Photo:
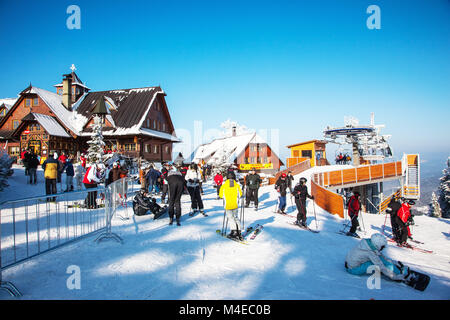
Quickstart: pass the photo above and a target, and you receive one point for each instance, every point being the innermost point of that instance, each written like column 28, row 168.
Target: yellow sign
column 257, row 166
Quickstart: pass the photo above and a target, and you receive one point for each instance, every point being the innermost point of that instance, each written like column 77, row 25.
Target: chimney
column 233, row 130
column 67, row 91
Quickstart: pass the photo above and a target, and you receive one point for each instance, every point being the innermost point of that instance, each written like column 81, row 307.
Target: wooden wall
column 327, row 200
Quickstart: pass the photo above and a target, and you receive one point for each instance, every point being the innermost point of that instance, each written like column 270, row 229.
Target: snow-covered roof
column 229, row 148
column 54, row 102
column 50, row 125
column 8, row 102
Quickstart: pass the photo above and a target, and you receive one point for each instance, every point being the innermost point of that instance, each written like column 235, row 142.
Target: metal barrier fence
column 32, row 226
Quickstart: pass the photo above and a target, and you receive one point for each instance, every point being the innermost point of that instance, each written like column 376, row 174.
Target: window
column 14, row 151
column 16, row 124
column 164, row 127
column 3, row 112
column 156, row 149
column 167, row 149
column 148, row 148
column 27, row 102
column 266, row 160
column 35, row 101
column 307, row 153
column 154, row 124
column 148, row 123
column 130, row 147
column 252, row 159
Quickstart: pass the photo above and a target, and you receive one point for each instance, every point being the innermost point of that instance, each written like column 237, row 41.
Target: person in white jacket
column 368, row 253
column 193, row 178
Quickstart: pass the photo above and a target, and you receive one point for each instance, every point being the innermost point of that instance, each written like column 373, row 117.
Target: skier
column 403, row 220
column 368, row 253
column 290, row 179
column 230, row 192
column 252, row 182
column 281, row 186
column 193, row 179
column 354, row 206
column 218, row 180
column 392, row 209
column 300, row 194
column 176, row 186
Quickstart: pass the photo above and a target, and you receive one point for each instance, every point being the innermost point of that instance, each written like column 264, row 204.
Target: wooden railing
column 298, row 168
column 327, row 200
column 383, row 205
column 360, row 174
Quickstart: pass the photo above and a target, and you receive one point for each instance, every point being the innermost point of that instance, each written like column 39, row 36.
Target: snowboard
column 163, row 211
column 417, row 280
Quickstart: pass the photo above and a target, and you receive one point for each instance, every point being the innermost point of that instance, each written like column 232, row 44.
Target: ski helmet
column 303, row 180
column 378, row 241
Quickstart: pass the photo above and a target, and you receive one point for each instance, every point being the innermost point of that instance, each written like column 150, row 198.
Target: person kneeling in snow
column 368, row 253
column 142, row 203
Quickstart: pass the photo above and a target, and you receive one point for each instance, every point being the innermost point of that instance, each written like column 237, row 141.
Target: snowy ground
column 158, row 261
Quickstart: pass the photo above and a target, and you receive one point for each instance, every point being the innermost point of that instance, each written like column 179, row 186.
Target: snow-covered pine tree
column 5, row 166
column 444, row 191
column 435, row 207
column 96, row 144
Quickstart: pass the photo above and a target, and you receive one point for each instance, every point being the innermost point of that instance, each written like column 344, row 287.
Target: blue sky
column 295, row 66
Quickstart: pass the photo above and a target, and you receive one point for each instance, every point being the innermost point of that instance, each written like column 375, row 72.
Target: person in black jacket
column 176, row 186
column 33, row 163
column 392, row 209
column 142, row 203
column 252, row 182
column 301, row 193
column 290, row 179
column 281, row 186
column 68, row 167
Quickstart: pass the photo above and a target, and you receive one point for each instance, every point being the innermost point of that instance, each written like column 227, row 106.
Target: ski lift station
column 364, row 163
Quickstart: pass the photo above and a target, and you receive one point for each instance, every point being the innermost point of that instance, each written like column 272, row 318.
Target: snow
column 159, row 262
column 51, row 125
column 229, row 148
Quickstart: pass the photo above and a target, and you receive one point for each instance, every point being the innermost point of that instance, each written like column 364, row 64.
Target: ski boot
column 239, row 235
column 171, row 221
column 233, row 234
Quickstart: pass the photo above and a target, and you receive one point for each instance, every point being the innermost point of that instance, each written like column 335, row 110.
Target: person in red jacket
column 218, row 180
column 403, row 218
column 83, row 160
column 90, row 181
column 354, row 206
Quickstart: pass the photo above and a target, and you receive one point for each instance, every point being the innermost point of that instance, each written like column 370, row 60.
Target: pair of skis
column 254, row 231
column 297, row 225
column 410, row 246
column 194, row 212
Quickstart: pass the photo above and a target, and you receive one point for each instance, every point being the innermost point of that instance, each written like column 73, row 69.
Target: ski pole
column 384, row 225
column 315, row 217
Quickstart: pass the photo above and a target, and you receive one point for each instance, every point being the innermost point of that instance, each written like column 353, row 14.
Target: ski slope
column 159, row 262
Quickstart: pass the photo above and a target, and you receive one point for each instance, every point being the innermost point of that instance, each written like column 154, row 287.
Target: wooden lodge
column 137, row 122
